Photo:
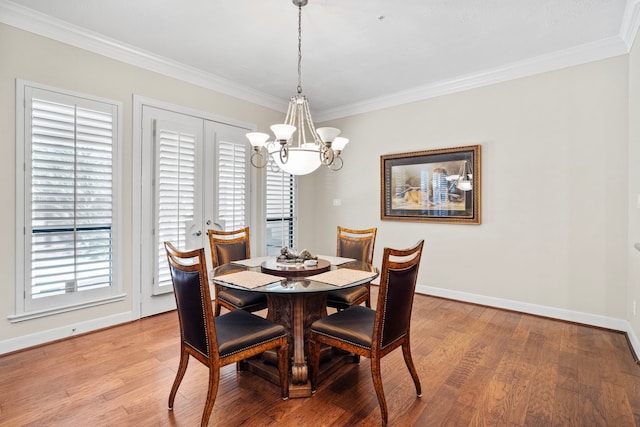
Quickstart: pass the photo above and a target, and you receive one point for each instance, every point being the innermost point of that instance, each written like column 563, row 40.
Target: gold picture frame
column 441, row 185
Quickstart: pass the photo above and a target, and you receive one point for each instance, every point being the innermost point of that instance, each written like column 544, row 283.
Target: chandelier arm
column 258, row 154
column 337, row 163
column 273, row 165
column 284, row 153
column 287, row 118
column 311, row 125
column 326, row 155
column 300, row 121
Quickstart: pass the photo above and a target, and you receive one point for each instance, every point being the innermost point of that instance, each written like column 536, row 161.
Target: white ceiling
column 356, row 55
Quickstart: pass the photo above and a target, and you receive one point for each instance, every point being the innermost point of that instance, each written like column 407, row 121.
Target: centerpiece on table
column 291, row 256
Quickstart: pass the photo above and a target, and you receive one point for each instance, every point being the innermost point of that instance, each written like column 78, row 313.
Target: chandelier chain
column 299, row 49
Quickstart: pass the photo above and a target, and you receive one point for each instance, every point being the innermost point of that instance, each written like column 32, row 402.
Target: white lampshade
column 339, row 143
column 257, row 139
column 328, row 134
column 283, row 132
column 301, row 161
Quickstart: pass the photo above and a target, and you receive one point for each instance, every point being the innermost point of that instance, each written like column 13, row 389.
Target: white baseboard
column 66, row 331
column 633, row 340
column 538, row 310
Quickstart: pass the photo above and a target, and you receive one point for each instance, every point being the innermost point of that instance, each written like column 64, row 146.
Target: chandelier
column 298, row 147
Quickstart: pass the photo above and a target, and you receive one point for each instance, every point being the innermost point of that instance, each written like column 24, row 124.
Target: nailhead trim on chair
column 251, row 346
column 203, row 319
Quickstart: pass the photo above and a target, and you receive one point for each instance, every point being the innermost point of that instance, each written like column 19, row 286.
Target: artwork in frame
column 440, row 185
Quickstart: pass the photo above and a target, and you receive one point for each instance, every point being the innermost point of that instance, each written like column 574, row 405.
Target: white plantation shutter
column 71, row 198
column 233, row 185
column 176, row 192
column 280, row 211
column 68, row 188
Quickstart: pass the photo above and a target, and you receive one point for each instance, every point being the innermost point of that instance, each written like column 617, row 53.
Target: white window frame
column 26, row 307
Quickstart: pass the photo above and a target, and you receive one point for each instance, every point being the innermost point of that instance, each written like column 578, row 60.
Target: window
column 67, row 165
column 281, row 211
column 176, row 196
column 232, row 185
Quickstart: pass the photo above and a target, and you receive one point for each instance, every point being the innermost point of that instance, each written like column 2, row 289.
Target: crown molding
column 47, row 26
column 602, row 49
column 630, row 23
column 35, row 22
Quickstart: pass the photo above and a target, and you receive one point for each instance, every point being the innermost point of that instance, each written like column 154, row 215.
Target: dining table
column 296, row 297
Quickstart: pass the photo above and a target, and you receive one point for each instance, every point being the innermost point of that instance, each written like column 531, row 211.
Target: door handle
column 198, row 233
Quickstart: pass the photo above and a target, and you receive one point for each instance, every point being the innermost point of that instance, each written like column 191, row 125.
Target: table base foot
column 299, row 390
column 270, row 372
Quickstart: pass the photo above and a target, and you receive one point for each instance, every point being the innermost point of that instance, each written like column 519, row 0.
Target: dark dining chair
column 228, row 246
column 375, row 333
column 357, row 244
column 216, row 341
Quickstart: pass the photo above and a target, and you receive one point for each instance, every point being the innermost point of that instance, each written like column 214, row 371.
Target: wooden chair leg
column 377, row 384
column 216, row 308
column 406, row 352
column 214, row 381
column 182, row 368
column 313, row 353
column 283, row 369
column 367, row 302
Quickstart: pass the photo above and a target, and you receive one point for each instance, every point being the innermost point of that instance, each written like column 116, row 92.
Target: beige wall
column 554, row 189
column 24, row 55
column 633, row 293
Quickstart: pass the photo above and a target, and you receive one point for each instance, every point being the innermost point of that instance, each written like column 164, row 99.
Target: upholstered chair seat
column 354, row 326
column 240, row 330
column 344, row 298
column 242, row 300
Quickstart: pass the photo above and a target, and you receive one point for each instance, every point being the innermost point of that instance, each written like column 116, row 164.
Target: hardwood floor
column 478, row 366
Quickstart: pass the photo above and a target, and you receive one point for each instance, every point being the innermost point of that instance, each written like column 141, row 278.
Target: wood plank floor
column 478, row 367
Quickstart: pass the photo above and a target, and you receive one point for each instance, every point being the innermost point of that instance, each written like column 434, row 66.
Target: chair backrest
column 193, row 299
column 356, row 244
column 227, row 246
column 395, row 296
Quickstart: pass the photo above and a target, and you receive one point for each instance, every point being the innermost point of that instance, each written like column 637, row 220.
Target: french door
column 195, row 177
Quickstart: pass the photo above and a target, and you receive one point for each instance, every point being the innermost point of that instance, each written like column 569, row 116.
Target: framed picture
column 436, row 185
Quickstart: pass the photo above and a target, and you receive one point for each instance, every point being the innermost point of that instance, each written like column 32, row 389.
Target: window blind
column 280, row 211
column 232, row 185
column 176, row 182
column 71, row 198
